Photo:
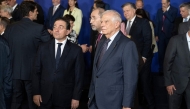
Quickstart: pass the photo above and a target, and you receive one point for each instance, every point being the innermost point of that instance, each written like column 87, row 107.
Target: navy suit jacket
column 114, row 82
column 51, row 18
column 64, row 83
column 168, row 23
column 5, row 74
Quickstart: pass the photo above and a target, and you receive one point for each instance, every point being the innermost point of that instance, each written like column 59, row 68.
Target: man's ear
column 68, row 32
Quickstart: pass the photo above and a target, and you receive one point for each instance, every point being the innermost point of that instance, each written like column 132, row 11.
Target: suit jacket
column 40, row 16
column 114, row 83
column 177, row 63
column 11, row 20
column 16, row 14
column 183, row 27
column 77, row 14
column 51, row 18
column 63, row 83
column 176, row 25
column 5, row 74
column 168, row 23
column 24, row 38
column 141, row 34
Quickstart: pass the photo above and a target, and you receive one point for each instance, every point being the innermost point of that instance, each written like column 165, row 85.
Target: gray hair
column 6, row 8
column 115, row 15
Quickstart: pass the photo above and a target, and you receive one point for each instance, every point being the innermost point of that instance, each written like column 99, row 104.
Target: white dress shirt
column 132, row 20
column 111, row 39
column 188, row 40
column 186, row 18
column 62, row 46
column 14, row 6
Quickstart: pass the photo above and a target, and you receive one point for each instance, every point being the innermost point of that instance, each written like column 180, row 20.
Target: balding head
column 110, row 22
column 139, row 4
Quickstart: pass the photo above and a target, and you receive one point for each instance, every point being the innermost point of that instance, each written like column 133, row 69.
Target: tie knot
column 59, row 44
column 107, row 40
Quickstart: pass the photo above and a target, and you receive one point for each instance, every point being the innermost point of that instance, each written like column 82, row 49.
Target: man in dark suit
column 139, row 5
column 40, row 17
column 184, row 27
column 176, row 70
column 16, row 14
column 115, row 68
column 140, row 31
column 95, row 22
column 6, row 11
column 54, row 12
column 164, row 26
column 184, row 11
column 59, row 69
column 5, row 74
column 24, row 38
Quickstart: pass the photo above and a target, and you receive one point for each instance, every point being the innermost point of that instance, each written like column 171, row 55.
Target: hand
column 126, row 108
column 144, row 59
column 37, row 99
column 90, row 49
column 50, row 31
column 156, row 38
column 84, row 48
column 74, row 104
column 170, row 89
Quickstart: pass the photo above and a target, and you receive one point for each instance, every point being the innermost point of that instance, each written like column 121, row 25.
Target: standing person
column 185, row 16
column 54, row 12
column 24, row 38
column 59, row 69
column 140, row 31
column 115, row 68
column 5, row 68
column 176, row 70
column 16, row 14
column 74, row 10
column 164, row 25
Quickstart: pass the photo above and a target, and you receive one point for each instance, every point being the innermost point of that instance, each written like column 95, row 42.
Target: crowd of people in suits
column 42, row 65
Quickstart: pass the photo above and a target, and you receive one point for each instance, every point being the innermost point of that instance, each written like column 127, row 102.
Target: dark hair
column 26, row 7
column 69, row 17
column 65, row 20
column 100, row 4
column 76, row 5
column 4, row 21
column 168, row 0
column 129, row 4
column 142, row 13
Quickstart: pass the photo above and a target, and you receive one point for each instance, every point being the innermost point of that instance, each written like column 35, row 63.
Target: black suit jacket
column 51, row 18
column 16, row 14
column 24, row 38
column 176, row 25
column 177, row 63
column 183, row 27
column 5, row 74
column 141, row 34
column 63, row 83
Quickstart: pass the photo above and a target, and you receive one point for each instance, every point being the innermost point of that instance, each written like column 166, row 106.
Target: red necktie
column 98, row 39
column 163, row 18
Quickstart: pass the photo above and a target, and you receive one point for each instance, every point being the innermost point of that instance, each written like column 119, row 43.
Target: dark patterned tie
column 103, row 50
column 58, row 55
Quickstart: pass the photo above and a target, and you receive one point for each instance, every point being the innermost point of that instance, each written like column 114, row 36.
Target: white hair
column 115, row 15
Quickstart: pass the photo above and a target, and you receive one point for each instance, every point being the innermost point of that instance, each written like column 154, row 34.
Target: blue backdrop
column 85, row 5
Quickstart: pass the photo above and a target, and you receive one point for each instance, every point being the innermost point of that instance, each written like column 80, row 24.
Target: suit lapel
column 64, row 53
column 110, row 50
column 52, row 52
column 185, row 46
column 133, row 25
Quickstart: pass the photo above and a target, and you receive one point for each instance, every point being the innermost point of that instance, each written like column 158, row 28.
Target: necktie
column 98, row 39
column 163, row 18
column 54, row 9
column 128, row 27
column 58, row 55
column 103, row 50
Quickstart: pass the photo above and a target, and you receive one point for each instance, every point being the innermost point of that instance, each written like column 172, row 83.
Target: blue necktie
column 58, row 55
column 104, row 48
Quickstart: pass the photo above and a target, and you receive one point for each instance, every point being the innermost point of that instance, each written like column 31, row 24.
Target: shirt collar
column 168, row 8
column 113, row 37
column 57, row 6
column 15, row 6
column 2, row 33
column 133, row 18
column 188, row 17
column 188, row 38
column 63, row 42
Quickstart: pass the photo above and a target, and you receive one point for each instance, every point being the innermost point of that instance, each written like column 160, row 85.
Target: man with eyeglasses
column 58, row 71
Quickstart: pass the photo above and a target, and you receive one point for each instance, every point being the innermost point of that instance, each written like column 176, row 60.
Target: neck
column 111, row 34
column 131, row 18
column 71, row 8
column 29, row 18
column 61, row 40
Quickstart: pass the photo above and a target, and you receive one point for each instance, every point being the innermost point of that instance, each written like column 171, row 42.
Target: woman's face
column 71, row 2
